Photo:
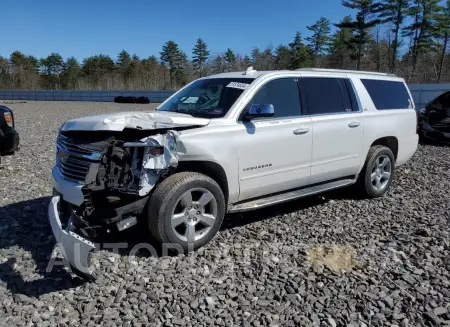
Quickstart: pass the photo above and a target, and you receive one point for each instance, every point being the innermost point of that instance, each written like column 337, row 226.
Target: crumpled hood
column 133, row 119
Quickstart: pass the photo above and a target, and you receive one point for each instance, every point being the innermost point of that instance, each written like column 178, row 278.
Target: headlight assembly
column 9, row 119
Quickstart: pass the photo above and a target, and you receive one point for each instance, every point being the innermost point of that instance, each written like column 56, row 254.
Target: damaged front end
column 103, row 180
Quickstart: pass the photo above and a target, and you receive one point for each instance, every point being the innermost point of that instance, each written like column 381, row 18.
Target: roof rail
column 324, row 70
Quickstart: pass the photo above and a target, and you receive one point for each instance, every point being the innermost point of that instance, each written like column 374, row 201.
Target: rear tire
column 378, row 171
column 187, row 209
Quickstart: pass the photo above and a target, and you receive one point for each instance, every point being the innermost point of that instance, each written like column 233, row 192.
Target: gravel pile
column 329, row 260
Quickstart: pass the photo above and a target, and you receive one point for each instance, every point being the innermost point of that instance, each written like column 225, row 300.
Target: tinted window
column 388, row 94
column 326, row 95
column 282, row 94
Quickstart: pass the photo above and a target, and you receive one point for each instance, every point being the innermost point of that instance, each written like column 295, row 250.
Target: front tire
column 187, row 209
column 377, row 173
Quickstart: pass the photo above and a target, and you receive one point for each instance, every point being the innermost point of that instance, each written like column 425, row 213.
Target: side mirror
column 260, row 110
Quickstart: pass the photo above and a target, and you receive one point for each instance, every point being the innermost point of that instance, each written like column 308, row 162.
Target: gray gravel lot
column 330, row 260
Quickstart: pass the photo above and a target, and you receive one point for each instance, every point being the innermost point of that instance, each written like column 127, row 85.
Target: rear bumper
column 76, row 250
column 406, row 149
column 9, row 142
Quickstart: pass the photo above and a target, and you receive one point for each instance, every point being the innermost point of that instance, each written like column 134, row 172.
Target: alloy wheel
column 194, row 215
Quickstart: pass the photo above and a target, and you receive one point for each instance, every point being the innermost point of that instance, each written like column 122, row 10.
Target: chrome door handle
column 301, row 131
column 353, row 124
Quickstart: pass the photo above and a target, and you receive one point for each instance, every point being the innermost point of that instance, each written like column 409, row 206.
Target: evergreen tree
column 51, row 68
column 123, row 66
column 342, row 51
column 71, row 73
column 364, row 21
column 283, row 57
column 301, row 55
column 230, row 59
column 218, row 64
column 246, row 62
column 256, row 58
column 200, row 55
column 320, row 38
column 123, row 60
column 171, row 56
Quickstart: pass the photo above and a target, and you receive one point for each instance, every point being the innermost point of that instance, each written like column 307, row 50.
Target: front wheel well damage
column 208, row 168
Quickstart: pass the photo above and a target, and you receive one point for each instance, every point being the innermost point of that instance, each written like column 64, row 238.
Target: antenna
column 250, row 71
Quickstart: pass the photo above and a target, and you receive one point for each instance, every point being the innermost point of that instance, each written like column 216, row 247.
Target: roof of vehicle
column 251, row 73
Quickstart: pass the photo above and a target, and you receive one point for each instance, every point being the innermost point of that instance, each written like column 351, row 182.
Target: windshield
column 210, row 98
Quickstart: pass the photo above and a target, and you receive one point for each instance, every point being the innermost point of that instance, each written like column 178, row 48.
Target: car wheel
column 186, row 209
column 378, row 172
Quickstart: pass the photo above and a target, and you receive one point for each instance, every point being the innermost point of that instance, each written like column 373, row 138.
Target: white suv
column 227, row 143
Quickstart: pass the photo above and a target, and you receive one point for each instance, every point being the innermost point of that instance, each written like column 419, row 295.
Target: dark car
column 434, row 120
column 9, row 138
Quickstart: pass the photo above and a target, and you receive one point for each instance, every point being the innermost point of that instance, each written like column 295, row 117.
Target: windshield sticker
column 238, row 85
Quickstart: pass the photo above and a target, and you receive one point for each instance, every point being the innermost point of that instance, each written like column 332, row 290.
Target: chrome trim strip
column 288, row 196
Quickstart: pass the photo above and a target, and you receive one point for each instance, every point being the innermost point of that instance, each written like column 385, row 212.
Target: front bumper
column 76, row 250
column 9, row 141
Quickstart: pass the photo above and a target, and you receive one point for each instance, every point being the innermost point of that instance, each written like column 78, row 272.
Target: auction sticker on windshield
column 238, row 85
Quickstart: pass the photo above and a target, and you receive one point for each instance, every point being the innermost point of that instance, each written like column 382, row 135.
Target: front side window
column 209, row 98
column 282, row 94
column 327, row 95
column 387, row 95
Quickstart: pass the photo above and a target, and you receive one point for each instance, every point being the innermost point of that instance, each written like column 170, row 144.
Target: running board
column 288, row 196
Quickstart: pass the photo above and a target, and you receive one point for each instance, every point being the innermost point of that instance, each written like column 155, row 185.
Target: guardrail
column 96, row 96
column 422, row 93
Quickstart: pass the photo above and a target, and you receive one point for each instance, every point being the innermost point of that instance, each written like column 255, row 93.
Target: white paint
column 70, row 191
column 73, row 247
column 138, row 120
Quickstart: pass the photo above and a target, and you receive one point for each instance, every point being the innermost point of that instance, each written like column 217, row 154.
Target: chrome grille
column 73, row 169
column 75, row 163
column 64, row 142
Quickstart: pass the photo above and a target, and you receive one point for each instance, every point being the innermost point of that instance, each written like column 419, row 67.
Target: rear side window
column 388, row 95
column 282, row 94
column 328, row 95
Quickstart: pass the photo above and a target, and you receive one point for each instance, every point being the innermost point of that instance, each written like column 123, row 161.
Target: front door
column 275, row 152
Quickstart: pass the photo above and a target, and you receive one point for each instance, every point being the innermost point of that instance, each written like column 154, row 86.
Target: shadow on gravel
column 26, row 242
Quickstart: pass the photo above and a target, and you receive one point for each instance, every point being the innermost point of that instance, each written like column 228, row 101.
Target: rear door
column 337, row 127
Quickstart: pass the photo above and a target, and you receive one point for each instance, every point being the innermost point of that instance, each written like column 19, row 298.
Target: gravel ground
column 330, row 260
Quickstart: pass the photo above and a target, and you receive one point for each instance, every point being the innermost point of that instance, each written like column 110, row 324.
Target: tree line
column 409, row 38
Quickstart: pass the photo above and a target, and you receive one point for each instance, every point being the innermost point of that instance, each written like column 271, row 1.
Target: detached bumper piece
column 435, row 135
column 76, row 250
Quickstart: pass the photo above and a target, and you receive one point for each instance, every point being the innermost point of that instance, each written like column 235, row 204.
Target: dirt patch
column 338, row 258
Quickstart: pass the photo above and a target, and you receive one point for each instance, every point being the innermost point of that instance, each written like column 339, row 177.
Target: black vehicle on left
column 9, row 137
column 434, row 120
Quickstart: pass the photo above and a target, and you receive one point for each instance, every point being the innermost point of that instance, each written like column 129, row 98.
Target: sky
column 82, row 28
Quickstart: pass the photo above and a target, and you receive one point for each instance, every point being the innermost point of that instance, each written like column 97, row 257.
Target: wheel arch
column 208, row 168
column 390, row 142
